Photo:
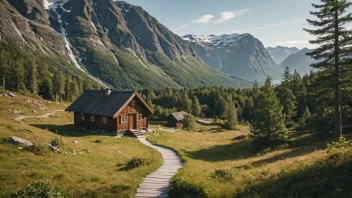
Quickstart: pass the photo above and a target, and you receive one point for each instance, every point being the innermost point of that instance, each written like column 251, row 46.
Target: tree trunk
column 338, row 130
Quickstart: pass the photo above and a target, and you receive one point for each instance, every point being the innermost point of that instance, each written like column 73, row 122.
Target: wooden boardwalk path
column 157, row 184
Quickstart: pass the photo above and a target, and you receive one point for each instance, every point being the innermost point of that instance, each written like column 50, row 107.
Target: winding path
column 20, row 118
column 157, row 184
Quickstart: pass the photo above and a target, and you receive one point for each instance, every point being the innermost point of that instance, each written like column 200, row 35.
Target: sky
column 274, row 22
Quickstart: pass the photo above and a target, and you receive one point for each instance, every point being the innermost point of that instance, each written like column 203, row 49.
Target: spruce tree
column 304, row 121
column 196, row 109
column 268, row 124
column 186, row 102
column 287, row 99
column 32, row 80
column 334, row 41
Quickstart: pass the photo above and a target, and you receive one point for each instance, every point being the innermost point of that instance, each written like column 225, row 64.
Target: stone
column 21, row 148
column 12, row 94
column 34, row 111
column 119, row 152
column 75, row 142
column 22, row 141
column 241, row 137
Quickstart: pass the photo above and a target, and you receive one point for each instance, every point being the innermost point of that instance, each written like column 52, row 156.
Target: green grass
column 218, row 166
column 101, row 172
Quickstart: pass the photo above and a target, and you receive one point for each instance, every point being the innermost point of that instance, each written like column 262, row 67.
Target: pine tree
column 334, row 41
column 196, row 110
column 268, row 124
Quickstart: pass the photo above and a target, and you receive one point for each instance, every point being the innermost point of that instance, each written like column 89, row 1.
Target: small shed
column 111, row 111
column 176, row 119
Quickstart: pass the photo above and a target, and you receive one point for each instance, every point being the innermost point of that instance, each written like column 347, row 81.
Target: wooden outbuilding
column 176, row 119
column 110, row 111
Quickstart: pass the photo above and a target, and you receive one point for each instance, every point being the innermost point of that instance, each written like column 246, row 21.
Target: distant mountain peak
column 280, row 53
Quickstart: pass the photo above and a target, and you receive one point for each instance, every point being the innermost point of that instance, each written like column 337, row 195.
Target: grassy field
column 218, row 165
column 97, row 172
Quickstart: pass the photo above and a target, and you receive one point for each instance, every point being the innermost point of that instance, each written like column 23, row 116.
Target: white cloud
column 291, row 43
column 204, row 19
column 227, row 15
column 182, row 26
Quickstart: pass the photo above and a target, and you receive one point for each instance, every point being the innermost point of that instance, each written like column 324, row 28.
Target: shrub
column 180, row 188
column 222, row 174
column 57, row 142
column 137, row 162
column 98, row 141
column 189, row 122
column 39, row 189
column 37, row 149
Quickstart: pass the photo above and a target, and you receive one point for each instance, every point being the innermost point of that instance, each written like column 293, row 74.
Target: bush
column 180, row 188
column 39, row 189
column 222, row 174
column 189, row 122
column 57, row 142
column 98, row 141
column 137, row 162
column 37, row 149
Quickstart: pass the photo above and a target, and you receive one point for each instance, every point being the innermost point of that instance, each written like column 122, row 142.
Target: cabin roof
column 96, row 102
column 179, row 115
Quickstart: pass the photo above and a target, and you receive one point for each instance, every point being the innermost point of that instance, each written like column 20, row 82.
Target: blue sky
column 274, row 22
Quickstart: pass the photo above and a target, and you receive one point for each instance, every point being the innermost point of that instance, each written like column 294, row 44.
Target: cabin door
column 132, row 121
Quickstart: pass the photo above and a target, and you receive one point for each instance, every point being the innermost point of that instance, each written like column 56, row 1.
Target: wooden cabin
column 110, row 111
column 176, row 120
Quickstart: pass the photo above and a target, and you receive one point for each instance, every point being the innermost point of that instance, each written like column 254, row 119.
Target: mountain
column 299, row 61
column 240, row 55
column 280, row 53
column 110, row 41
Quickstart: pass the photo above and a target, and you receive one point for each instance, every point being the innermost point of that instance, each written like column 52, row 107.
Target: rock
column 34, row 111
column 119, row 152
column 21, row 148
column 88, row 151
column 22, row 141
column 241, row 137
column 75, row 142
column 54, row 148
column 12, row 94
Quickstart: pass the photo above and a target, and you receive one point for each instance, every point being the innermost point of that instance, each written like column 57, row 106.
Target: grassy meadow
column 94, row 167
column 218, row 165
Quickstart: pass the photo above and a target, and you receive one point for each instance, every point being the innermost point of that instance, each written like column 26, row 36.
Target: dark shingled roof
column 179, row 115
column 96, row 102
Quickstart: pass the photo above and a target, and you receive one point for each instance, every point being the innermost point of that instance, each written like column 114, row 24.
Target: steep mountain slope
column 113, row 41
column 239, row 55
column 280, row 53
column 299, row 61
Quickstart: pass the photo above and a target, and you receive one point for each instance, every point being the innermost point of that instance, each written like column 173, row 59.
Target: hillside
column 240, row 55
column 299, row 61
column 106, row 40
column 90, row 165
column 280, row 53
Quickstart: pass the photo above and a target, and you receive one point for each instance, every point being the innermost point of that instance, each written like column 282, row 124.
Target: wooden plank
column 158, row 183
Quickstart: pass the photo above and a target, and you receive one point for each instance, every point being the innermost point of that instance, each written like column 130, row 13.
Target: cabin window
column 92, row 118
column 140, row 117
column 82, row 116
column 104, row 119
column 123, row 119
column 133, row 103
